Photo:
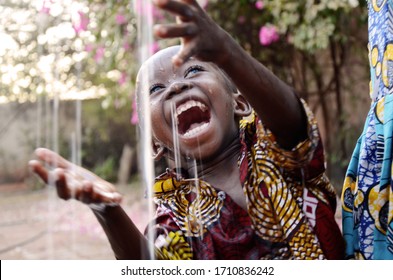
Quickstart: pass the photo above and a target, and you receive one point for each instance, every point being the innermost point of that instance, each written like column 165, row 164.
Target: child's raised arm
column 72, row 181
column 273, row 100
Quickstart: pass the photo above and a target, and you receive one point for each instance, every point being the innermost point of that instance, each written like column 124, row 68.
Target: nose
column 177, row 87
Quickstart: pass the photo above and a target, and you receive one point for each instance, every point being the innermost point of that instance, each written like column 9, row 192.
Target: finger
column 175, row 30
column 60, row 181
column 92, row 193
column 39, row 170
column 108, row 197
column 102, row 196
column 183, row 9
column 51, row 158
column 87, row 194
column 183, row 55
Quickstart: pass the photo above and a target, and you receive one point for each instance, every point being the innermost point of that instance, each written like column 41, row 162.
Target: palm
column 72, row 181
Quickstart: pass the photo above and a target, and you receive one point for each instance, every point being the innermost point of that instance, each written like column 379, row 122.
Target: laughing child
column 245, row 188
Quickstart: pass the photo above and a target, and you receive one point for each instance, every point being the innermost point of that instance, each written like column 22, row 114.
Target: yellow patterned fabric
column 276, row 213
column 290, row 205
column 173, row 247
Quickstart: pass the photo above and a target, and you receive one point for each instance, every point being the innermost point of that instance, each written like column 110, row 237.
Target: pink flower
column 241, row 19
column 81, row 23
column 123, row 79
column 120, row 19
column 126, row 46
column 134, row 117
column 268, row 35
column 45, row 9
column 99, row 54
column 259, row 5
column 154, row 48
column 89, row 48
column 157, row 14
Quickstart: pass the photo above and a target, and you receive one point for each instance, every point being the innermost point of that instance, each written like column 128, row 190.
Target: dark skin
column 215, row 147
column 201, row 38
column 74, row 182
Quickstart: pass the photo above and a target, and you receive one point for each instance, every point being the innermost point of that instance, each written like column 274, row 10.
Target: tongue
column 194, row 125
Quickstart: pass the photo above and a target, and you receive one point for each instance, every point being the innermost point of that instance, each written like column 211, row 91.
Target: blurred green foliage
column 105, row 132
column 321, row 52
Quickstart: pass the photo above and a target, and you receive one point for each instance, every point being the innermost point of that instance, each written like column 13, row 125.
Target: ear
column 241, row 106
column 158, row 150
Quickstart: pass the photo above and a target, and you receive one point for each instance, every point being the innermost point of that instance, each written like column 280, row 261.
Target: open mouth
column 192, row 117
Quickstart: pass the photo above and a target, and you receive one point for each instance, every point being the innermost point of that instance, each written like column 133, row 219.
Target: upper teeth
column 189, row 104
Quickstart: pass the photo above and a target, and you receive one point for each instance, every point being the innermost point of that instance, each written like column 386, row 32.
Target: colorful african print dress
column 290, row 206
column 367, row 197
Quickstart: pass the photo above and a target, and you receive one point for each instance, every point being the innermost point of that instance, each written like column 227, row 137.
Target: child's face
column 202, row 102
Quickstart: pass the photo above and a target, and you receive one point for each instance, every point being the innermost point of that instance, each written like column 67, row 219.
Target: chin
column 201, row 151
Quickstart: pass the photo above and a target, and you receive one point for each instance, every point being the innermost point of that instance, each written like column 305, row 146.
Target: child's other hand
column 200, row 36
column 73, row 181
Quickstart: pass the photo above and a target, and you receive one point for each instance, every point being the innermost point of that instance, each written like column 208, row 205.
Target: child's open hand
column 200, row 36
column 72, row 181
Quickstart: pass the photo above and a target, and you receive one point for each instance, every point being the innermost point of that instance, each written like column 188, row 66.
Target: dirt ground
column 36, row 225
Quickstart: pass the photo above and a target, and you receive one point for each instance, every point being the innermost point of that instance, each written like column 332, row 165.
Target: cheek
column 159, row 125
column 229, row 115
column 227, row 104
column 156, row 116
column 155, row 108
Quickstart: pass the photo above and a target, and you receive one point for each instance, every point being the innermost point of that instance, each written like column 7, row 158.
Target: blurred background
column 67, row 71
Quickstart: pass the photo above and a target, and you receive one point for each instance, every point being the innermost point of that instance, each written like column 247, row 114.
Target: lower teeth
column 193, row 131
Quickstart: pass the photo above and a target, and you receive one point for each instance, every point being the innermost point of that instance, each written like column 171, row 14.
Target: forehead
column 160, row 65
column 160, row 60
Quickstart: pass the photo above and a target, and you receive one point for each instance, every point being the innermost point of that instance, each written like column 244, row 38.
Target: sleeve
column 305, row 163
column 300, row 156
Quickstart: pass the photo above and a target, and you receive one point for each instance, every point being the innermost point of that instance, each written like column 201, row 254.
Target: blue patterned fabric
column 367, row 197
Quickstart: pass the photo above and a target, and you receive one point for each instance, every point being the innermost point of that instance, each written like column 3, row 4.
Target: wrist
column 229, row 52
column 102, row 207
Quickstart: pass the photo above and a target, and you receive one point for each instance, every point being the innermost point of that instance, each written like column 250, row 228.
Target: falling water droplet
column 175, row 135
column 198, row 202
column 144, row 15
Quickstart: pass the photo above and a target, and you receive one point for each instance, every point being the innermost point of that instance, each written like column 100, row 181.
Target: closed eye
column 156, row 87
column 192, row 70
